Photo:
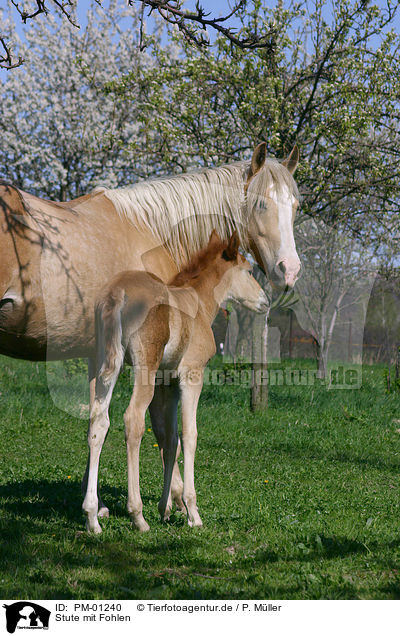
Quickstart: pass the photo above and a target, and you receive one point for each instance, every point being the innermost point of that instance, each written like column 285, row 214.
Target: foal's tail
column 109, row 349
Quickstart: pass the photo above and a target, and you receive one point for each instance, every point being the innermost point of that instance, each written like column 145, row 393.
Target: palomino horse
column 167, row 327
column 55, row 257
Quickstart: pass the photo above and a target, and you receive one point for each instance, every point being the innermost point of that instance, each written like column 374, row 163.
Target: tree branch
column 7, row 60
column 192, row 24
column 66, row 7
column 171, row 11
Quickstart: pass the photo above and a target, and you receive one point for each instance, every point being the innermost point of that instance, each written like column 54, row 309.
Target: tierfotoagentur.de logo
column 26, row 615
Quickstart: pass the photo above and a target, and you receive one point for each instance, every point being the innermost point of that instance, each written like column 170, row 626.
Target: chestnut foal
column 164, row 327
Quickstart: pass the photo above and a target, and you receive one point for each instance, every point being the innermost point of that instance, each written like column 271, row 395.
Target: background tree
column 192, row 24
column 332, row 86
column 330, row 83
column 382, row 329
column 61, row 134
column 338, row 275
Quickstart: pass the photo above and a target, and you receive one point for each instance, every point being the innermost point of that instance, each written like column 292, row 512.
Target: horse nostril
column 282, row 267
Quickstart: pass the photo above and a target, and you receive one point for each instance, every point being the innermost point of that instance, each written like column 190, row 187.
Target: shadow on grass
column 306, row 549
column 45, row 552
column 42, row 498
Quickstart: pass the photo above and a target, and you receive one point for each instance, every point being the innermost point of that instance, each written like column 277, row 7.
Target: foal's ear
column 214, row 239
column 292, row 160
column 231, row 252
column 258, row 158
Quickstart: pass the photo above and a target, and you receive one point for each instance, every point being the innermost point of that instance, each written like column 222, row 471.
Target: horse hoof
column 103, row 513
column 165, row 512
column 143, row 527
column 180, row 506
column 141, row 524
column 93, row 527
column 195, row 522
column 181, row 510
column 97, row 530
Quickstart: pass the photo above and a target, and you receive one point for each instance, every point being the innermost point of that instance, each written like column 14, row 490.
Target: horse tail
column 109, row 349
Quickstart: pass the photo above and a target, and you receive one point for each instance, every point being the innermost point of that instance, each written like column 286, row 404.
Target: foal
column 164, row 327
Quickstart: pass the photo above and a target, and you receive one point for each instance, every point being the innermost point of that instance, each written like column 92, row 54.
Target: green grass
column 301, row 502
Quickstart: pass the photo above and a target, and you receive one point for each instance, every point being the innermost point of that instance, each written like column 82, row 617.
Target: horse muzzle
column 285, row 274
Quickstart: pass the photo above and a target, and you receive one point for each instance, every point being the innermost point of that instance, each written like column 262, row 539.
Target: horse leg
column 176, row 492
column 103, row 510
column 190, row 399
column 170, row 445
column 98, row 427
column 157, row 416
column 134, row 419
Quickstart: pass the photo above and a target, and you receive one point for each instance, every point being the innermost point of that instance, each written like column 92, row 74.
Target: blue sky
column 215, row 7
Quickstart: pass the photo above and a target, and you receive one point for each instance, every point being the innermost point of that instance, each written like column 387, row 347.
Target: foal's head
column 225, row 273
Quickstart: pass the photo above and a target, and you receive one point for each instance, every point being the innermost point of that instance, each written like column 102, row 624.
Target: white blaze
column 287, row 251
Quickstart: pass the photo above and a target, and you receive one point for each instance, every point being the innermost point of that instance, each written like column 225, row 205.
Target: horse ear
column 214, row 239
column 231, row 252
column 258, row 158
column 292, row 160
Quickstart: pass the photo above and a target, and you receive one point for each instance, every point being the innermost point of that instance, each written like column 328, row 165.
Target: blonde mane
column 181, row 211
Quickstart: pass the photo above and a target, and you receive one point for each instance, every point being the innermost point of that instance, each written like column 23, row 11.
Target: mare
column 56, row 256
column 164, row 327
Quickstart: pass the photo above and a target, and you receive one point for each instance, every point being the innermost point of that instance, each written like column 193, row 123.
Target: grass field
column 301, row 502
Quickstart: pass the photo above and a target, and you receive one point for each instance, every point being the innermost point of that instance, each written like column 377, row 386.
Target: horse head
column 272, row 199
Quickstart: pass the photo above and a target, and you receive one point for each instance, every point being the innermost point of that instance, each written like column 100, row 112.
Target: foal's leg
column 103, row 510
column 134, row 419
column 170, row 445
column 98, row 427
column 190, row 399
column 158, row 422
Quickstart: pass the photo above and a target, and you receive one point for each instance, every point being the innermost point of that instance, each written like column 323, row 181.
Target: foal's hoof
column 143, row 526
column 166, row 516
column 103, row 513
column 140, row 524
column 195, row 521
column 179, row 505
column 165, row 512
column 93, row 527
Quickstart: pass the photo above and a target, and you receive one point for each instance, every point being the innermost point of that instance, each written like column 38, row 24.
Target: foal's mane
column 182, row 210
column 198, row 263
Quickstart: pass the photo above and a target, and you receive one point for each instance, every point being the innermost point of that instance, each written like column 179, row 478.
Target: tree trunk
column 350, row 343
column 246, row 327
column 322, row 360
column 259, row 389
column 290, row 335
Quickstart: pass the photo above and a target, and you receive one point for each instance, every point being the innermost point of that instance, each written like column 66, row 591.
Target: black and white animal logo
column 26, row 615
